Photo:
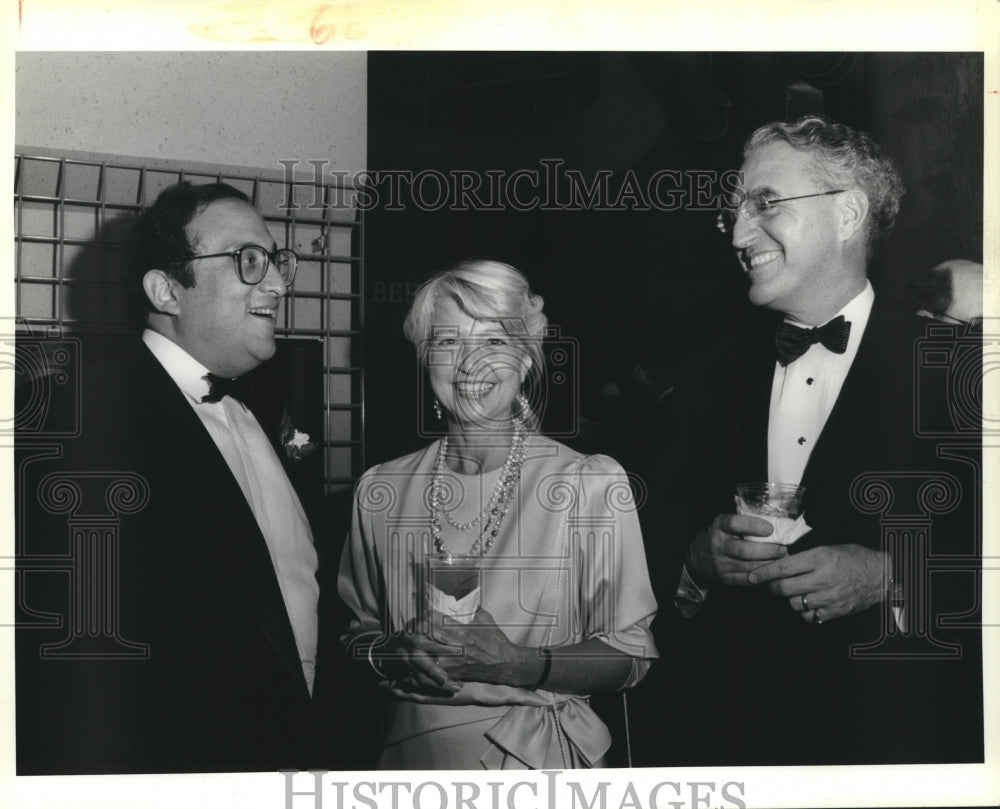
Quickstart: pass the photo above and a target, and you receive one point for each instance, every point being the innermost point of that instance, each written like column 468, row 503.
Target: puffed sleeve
column 616, row 602
column 360, row 580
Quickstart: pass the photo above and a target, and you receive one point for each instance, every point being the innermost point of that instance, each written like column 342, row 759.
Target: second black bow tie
column 793, row 341
column 218, row 387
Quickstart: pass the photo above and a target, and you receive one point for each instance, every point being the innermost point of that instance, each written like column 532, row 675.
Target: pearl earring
column 437, row 409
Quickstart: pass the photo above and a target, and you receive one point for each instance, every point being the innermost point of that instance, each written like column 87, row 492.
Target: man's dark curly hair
column 159, row 240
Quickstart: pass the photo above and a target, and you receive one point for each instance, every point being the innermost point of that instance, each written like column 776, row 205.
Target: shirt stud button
column 809, row 381
column 801, row 441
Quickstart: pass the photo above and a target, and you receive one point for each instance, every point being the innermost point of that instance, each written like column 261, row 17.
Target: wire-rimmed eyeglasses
column 758, row 205
column 252, row 262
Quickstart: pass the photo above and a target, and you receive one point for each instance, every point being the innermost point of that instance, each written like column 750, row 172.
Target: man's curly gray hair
column 844, row 158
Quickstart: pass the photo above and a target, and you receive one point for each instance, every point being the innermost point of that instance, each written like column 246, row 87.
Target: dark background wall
column 630, row 286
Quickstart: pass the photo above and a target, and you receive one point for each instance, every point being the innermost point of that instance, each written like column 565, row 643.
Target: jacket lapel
column 751, row 412
column 846, row 434
column 262, row 390
column 225, row 519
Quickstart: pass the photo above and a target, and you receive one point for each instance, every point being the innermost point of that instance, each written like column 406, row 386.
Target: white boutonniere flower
column 297, row 444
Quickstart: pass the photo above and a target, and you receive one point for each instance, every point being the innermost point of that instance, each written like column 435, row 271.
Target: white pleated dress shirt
column 268, row 491
column 804, row 392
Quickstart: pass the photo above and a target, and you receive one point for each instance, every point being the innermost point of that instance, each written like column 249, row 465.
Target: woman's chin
column 469, row 421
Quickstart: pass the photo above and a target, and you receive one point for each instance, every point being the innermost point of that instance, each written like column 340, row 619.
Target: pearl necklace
column 492, row 516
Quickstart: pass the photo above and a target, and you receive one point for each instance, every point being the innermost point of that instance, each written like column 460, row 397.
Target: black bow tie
column 218, row 387
column 792, row 341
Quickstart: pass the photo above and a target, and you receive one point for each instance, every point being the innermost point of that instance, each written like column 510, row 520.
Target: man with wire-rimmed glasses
column 217, row 567
column 775, row 623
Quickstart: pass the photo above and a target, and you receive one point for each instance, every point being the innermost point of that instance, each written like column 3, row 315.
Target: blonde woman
column 562, row 603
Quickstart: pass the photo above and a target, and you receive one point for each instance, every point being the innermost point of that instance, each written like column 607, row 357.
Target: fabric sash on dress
column 539, row 737
column 540, row 729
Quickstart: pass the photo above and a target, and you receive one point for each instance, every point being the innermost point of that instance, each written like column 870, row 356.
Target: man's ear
column 853, row 213
column 161, row 290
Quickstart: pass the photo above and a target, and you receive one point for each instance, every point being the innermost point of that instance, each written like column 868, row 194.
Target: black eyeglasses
column 758, row 205
column 252, row 262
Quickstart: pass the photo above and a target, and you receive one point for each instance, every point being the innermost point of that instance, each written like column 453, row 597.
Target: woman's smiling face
column 475, row 367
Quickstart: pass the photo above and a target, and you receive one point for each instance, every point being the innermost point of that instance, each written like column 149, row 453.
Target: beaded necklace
column 492, row 516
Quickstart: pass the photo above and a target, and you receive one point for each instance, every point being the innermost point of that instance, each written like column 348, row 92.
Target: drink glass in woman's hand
column 453, row 585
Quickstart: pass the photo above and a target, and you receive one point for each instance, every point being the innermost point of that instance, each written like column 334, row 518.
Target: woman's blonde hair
column 485, row 290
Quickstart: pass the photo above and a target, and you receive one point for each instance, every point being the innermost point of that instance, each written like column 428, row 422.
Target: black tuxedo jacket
column 758, row 685
column 205, row 675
